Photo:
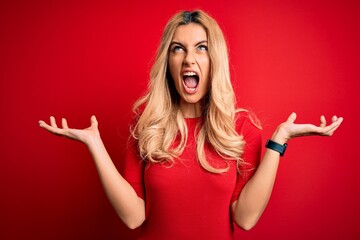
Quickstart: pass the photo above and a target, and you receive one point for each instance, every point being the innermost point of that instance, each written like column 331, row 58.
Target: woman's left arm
column 256, row 193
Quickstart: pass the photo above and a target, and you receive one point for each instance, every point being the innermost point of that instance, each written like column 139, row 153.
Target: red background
column 73, row 59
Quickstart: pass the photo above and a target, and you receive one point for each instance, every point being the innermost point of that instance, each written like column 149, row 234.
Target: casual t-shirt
column 184, row 201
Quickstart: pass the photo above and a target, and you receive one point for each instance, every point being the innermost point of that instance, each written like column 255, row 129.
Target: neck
column 190, row 110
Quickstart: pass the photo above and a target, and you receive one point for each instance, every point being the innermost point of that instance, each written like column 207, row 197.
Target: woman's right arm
column 129, row 207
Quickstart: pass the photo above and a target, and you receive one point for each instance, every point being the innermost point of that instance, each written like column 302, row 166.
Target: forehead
column 189, row 33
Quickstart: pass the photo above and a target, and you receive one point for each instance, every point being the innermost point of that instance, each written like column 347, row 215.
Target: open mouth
column 190, row 82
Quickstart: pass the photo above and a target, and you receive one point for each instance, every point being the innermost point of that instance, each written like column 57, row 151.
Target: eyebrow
column 201, row 42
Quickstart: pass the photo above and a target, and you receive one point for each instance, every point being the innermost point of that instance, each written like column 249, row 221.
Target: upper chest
column 187, row 176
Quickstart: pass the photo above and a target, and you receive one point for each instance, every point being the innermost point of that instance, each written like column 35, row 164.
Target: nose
column 189, row 58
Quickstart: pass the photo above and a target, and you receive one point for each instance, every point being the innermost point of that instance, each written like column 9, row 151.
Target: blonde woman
column 193, row 163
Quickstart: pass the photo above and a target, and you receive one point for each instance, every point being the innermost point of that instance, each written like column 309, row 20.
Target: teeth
column 189, row 74
column 192, row 89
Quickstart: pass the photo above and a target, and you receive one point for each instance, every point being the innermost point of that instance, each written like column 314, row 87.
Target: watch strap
column 276, row 147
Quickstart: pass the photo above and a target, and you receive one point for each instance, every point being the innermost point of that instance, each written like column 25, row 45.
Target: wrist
column 93, row 141
column 280, row 136
column 280, row 148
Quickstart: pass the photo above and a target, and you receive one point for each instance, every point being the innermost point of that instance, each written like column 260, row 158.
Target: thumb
column 93, row 121
column 292, row 118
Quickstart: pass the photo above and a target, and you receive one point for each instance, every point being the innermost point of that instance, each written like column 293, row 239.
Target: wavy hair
column 159, row 121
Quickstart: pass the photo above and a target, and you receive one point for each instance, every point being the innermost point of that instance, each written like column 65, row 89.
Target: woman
column 190, row 167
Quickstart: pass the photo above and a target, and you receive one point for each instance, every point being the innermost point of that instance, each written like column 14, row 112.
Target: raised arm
column 129, row 207
column 256, row 193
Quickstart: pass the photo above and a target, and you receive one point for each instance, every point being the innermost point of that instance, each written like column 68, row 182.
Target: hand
column 85, row 135
column 289, row 129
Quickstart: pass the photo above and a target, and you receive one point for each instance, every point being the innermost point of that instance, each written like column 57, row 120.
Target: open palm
column 82, row 135
column 289, row 129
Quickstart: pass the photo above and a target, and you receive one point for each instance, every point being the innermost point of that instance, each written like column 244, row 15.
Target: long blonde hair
column 159, row 120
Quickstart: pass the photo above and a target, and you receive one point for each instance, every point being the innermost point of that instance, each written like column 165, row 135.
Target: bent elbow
column 246, row 224
column 134, row 223
column 246, row 227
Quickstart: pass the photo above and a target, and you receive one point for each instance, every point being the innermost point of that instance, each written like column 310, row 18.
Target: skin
column 188, row 52
column 129, row 207
column 256, row 193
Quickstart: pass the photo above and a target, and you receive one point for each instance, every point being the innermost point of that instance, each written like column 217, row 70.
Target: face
column 189, row 63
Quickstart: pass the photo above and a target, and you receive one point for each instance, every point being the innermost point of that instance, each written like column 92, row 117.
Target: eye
column 177, row 48
column 202, row 47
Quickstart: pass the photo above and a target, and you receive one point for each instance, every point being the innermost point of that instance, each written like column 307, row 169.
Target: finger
column 334, row 118
column 64, row 123
column 329, row 130
column 292, row 117
column 53, row 122
column 322, row 121
column 93, row 121
column 41, row 123
column 55, row 130
column 44, row 124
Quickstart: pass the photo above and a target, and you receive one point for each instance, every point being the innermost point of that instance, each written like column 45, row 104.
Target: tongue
column 190, row 82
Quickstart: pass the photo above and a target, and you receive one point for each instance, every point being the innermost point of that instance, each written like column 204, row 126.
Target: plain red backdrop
column 73, row 59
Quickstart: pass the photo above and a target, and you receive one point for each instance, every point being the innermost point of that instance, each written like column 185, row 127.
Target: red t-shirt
column 185, row 201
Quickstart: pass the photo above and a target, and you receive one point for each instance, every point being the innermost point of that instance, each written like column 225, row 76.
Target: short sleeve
column 252, row 151
column 133, row 169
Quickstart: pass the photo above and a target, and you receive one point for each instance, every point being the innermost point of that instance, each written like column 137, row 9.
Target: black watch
column 276, row 147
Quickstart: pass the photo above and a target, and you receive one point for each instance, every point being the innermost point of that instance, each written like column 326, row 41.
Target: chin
column 192, row 99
